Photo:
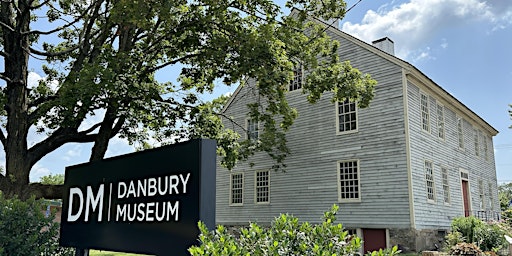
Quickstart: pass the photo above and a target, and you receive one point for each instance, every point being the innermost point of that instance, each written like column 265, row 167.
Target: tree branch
column 5, row 78
column 39, row 5
column 11, row 29
column 58, row 138
column 53, row 54
column 4, row 54
column 3, row 139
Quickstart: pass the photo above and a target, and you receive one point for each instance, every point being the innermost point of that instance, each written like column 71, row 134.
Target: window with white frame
column 491, row 196
column 425, row 113
column 446, row 185
column 481, row 194
column 348, row 181
column 485, row 148
column 296, row 83
column 440, row 121
column 460, row 132
column 262, row 187
column 252, row 128
column 347, row 116
column 429, row 178
column 477, row 143
column 237, row 189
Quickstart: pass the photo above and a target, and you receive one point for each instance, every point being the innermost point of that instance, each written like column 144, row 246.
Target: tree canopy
column 99, row 57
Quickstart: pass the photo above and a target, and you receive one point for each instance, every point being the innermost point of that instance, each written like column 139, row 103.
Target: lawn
column 107, row 253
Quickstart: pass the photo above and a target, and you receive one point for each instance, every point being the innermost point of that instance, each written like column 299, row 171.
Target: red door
column 465, row 197
column 374, row 239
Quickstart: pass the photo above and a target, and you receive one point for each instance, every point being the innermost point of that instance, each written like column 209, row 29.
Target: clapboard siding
column 309, row 186
column 444, row 154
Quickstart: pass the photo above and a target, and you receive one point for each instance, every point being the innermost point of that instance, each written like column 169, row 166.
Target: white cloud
column 413, row 24
column 37, row 172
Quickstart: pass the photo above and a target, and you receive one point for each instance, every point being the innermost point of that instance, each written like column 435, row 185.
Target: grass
column 107, row 253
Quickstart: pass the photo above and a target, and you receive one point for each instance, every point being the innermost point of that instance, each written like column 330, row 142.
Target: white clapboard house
column 400, row 170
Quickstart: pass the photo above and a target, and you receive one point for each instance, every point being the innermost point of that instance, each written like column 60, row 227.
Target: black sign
column 147, row 202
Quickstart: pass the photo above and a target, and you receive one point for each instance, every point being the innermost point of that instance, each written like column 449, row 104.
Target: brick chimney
column 385, row 44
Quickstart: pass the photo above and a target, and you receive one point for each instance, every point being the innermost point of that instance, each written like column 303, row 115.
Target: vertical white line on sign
column 109, row 201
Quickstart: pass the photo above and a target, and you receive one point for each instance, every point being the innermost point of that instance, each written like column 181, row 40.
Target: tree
column 505, row 196
column 57, row 179
column 104, row 63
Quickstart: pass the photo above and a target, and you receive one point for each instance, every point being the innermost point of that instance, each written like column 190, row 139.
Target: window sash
column 347, row 116
column 446, row 185
column 425, row 113
column 297, row 81
column 252, row 129
column 440, row 121
column 460, row 132
column 477, row 143
column 262, row 187
column 237, row 188
column 349, row 181
column 429, row 178
column 481, row 194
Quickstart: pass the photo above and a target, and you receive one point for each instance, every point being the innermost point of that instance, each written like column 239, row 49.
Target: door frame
column 464, row 179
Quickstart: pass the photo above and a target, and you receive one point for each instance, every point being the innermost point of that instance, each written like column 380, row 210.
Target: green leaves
column 286, row 236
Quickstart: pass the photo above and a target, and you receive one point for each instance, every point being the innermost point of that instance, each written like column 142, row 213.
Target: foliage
column 465, row 249
column 286, row 236
column 505, row 196
column 386, row 252
column 57, row 179
column 507, row 217
column 101, row 61
column 453, row 238
column 488, row 236
column 467, row 227
column 26, row 230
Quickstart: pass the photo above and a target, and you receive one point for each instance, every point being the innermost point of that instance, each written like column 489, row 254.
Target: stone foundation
column 411, row 240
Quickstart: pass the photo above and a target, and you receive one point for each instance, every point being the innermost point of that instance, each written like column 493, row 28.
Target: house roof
column 418, row 75
column 412, row 71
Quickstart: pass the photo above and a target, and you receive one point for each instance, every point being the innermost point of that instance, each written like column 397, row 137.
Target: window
column 446, row 185
column 348, row 181
column 491, row 197
column 477, row 144
column 429, row 177
column 440, row 121
column 237, row 189
column 262, row 187
column 486, row 149
column 460, row 132
column 347, row 116
column 252, row 129
column 296, row 83
column 425, row 114
column 481, row 194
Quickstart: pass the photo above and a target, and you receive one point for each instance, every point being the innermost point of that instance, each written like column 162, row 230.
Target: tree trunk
column 16, row 44
column 104, row 134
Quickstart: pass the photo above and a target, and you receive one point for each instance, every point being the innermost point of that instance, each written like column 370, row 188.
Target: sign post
column 147, row 202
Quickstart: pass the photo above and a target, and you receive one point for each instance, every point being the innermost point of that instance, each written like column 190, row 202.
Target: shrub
column 466, row 226
column 490, row 237
column 25, row 230
column 286, row 236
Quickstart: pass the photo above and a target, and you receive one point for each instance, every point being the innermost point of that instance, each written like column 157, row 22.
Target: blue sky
column 465, row 46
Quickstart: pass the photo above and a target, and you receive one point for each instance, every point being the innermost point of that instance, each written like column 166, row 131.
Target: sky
column 465, row 46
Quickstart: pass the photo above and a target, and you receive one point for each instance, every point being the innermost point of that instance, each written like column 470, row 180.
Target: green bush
column 488, row 237
column 466, row 226
column 286, row 236
column 25, row 230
